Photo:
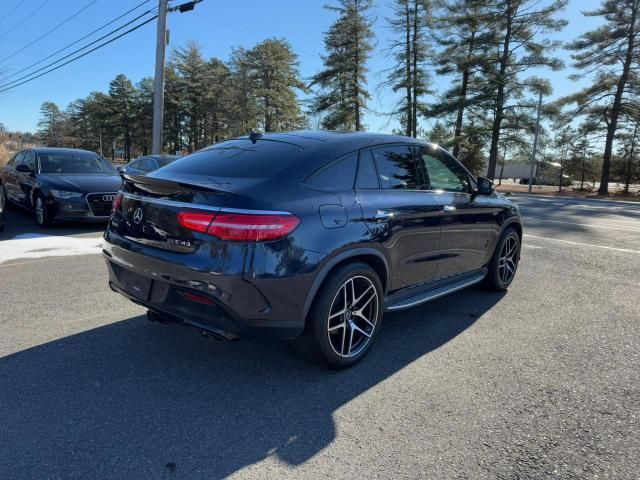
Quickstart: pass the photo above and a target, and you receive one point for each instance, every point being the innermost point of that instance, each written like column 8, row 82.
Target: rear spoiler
column 162, row 186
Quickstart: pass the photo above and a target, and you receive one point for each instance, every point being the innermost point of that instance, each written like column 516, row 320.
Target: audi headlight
column 64, row 194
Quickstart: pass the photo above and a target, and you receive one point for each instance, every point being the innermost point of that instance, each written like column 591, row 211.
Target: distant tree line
column 206, row 101
column 487, row 50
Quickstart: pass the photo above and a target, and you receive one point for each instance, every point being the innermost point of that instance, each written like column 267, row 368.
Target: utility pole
column 535, row 143
column 158, row 88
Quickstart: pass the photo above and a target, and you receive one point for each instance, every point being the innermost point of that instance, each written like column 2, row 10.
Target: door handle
column 449, row 208
column 383, row 215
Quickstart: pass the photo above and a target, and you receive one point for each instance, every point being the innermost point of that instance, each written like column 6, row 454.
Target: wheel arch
column 512, row 223
column 370, row 256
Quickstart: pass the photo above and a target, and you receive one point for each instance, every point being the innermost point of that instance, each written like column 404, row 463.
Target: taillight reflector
column 192, row 297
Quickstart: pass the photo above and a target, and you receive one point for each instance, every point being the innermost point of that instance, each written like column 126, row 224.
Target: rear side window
column 338, row 175
column 397, row 168
column 238, row 159
column 367, row 173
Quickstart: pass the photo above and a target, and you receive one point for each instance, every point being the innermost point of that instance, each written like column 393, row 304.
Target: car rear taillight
column 252, row 228
column 117, row 202
column 198, row 222
column 240, row 227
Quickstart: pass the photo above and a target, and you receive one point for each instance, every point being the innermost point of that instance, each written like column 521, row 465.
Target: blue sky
column 217, row 25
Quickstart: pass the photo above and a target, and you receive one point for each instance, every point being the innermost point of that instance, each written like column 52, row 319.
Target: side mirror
column 485, row 186
column 22, row 168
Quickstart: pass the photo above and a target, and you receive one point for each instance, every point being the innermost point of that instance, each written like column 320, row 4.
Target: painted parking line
column 30, row 246
column 624, row 229
column 605, row 247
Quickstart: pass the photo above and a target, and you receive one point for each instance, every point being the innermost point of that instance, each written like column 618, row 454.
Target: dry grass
column 5, row 155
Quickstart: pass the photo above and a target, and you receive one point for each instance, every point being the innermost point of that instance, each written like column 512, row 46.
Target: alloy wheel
column 508, row 261
column 353, row 316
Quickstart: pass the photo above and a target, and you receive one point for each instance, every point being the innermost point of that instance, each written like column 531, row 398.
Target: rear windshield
column 74, row 162
column 238, row 159
column 162, row 161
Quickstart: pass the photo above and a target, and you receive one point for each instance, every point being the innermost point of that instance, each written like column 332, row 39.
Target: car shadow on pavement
column 139, row 400
column 21, row 223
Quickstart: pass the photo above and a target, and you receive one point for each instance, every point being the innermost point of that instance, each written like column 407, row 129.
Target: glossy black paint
column 267, row 288
column 22, row 184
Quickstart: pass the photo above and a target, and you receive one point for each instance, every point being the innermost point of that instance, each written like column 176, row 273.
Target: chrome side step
column 436, row 293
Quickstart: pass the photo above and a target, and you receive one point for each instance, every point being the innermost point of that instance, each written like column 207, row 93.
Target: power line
column 3, row 89
column 75, row 51
column 33, row 12
column 49, row 31
column 6, row 77
column 246, row 32
column 12, row 10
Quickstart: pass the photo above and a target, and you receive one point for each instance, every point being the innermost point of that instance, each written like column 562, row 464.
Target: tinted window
column 367, row 174
column 14, row 160
column 29, row 159
column 238, row 159
column 17, row 160
column 162, row 161
column 145, row 164
column 444, row 173
column 397, row 167
column 338, row 175
column 74, row 162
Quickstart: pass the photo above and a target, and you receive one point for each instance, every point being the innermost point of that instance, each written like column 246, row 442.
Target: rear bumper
column 235, row 305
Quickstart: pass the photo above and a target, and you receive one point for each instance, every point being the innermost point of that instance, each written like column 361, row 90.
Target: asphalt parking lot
column 543, row 382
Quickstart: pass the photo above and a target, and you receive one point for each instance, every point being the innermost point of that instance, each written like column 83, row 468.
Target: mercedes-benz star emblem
column 137, row 216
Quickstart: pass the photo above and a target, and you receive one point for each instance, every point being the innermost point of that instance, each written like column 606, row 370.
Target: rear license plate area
column 135, row 285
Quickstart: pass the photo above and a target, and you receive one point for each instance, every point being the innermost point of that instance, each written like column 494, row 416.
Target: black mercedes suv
column 318, row 232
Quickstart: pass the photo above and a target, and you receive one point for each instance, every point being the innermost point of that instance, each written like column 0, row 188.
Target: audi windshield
column 75, row 162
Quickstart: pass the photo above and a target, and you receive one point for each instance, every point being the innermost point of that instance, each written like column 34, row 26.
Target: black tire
column 3, row 193
column 43, row 220
column 349, row 326
column 496, row 278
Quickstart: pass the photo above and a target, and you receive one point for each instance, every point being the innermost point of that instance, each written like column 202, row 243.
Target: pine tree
column 627, row 165
column 243, row 115
column 410, row 51
column 50, row 125
column 122, row 95
column 276, row 75
column 520, row 25
column 190, row 67
column 349, row 43
column 612, row 51
column 465, row 36
column 144, row 115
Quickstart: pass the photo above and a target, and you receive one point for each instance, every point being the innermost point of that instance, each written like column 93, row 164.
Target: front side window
column 338, row 175
column 443, row 173
column 397, row 168
column 29, row 160
column 15, row 160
